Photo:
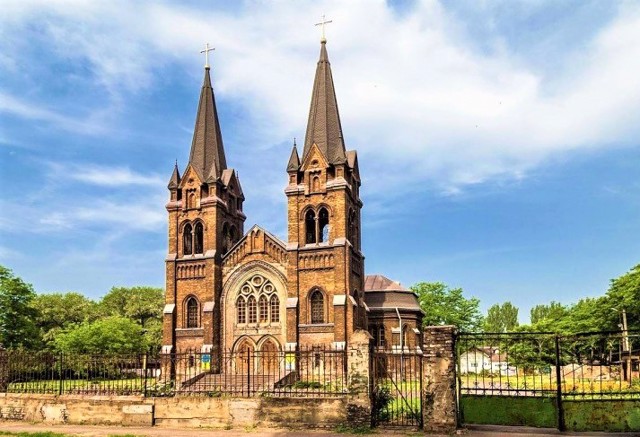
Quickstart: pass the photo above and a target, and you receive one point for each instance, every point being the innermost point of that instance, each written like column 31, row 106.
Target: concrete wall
column 183, row 411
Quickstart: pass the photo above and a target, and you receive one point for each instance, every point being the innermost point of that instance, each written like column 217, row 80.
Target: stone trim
column 339, row 300
column 169, row 308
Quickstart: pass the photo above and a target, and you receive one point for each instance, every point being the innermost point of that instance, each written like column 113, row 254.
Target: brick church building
column 230, row 289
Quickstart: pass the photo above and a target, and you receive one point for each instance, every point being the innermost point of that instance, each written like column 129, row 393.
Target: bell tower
column 205, row 221
column 325, row 262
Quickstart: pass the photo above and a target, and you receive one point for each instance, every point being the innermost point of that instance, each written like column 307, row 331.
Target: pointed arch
column 263, row 305
column 275, row 308
column 323, row 225
column 252, row 313
column 198, row 238
column 310, row 226
column 192, row 312
column 316, row 304
column 187, row 239
column 241, row 310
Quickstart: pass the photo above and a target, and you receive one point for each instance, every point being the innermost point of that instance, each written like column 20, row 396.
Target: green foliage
column 624, row 292
column 111, row 335
column 17, row 327
column 57, row 311
column 501, row 318
column 382, row 398
column 137, row 303
column 447, row 306
column 554, row 311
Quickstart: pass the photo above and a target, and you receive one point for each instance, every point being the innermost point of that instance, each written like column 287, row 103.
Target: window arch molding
column 191, row 312
column 318, row 306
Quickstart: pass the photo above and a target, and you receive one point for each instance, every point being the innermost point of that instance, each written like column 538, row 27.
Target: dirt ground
column 112, row 431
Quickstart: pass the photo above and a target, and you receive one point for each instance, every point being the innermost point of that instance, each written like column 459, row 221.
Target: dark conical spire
column 175, row 178
column 207, row 151
column 294, row 160
column 323, row 127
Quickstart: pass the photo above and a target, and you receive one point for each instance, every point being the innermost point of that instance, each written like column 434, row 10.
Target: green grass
column 345, row 429
column 53, row 385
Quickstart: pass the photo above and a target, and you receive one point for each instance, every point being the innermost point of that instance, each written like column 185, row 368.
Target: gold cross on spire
column 206, row 51
column 322, row 23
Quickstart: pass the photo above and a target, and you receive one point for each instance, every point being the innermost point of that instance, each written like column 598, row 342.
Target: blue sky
column 499, row 141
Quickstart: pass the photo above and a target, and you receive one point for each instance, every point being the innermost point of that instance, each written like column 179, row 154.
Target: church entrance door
column 243, row 357
column 269, row 358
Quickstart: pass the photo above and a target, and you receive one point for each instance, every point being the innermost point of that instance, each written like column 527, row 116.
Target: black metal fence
column 597, row 365
column 305, row 373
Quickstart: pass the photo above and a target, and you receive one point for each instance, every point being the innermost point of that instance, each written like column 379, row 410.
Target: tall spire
column 294, row 161
column 207, row 151
column 324, row 128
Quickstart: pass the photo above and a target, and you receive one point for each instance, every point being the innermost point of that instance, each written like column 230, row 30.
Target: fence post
column 61, row 379
column 4, row 369
column 561, row 424
column 358, row 379
column 440, row 410
column 144, row 372
column 248, row 372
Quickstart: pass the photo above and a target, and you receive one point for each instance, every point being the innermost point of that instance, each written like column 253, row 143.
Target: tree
column 553, row 311
column 17, row 327
column 501, row 318
column 624, row 293
column 60, row 310
column 137, row 303
column 447, row 306
column 111, row 335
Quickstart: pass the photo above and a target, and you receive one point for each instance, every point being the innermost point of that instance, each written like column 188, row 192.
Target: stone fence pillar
column 359, row 398
column 4, row 369
column 439, row 379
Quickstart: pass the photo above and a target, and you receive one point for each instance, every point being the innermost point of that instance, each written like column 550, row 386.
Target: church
column 234, row 289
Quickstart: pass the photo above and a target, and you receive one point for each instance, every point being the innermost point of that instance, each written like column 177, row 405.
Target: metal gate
column 397, row 388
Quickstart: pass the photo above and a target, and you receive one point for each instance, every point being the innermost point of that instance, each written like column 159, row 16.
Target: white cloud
column 417, row 101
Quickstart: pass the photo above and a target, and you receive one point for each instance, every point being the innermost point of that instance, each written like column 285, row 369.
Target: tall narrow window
column 264, row 309
column 252, row 310
column 323, row 225
column 382, row 341
column 192, row 313
column 405, row 336
column 187, row 239
column 226, row 240
column 198, row 237
column 310, row 226
column 241, row 310
column 317, row 307
column 275, row 309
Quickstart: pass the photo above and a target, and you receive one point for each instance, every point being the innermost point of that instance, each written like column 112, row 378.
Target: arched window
column 310, row 226
column 198, row 237
column 323, row 225
column 317, row 307
column 233, row 235
column 187, row 239
column 264, row 309
column 275, row 309
column 226, row 240
column 192, row 313
column 405, row 336
column 353, row 229
column 251, row 309
column 315, row 184
column 241, row 310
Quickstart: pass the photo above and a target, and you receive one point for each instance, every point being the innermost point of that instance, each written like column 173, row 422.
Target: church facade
column 234, row 289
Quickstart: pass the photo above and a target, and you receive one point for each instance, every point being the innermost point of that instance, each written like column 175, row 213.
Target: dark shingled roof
column 175, row 178
column 294, row 160
column 324, row 128
column 207, row 151
column 382, row 292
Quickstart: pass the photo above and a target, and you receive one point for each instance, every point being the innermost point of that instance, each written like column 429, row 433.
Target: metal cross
column 206, row 51
column 322, row 23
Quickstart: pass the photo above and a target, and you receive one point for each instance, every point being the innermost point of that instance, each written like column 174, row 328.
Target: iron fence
column 596, row 365
column 313, row 372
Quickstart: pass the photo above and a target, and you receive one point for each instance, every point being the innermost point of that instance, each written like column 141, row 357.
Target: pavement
column 113, row 431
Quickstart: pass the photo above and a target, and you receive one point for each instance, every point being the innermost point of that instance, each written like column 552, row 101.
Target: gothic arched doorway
column 244, row 355
column 269, row 357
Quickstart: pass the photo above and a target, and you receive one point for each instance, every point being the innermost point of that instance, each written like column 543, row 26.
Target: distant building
column 487, row 359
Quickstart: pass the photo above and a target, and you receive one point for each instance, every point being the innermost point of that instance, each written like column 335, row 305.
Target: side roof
column 382, row 293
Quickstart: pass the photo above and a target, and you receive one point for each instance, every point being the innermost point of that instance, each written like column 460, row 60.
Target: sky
column 498, row 141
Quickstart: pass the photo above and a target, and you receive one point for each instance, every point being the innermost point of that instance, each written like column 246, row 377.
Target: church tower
column 325, row 264
column 205, row 221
